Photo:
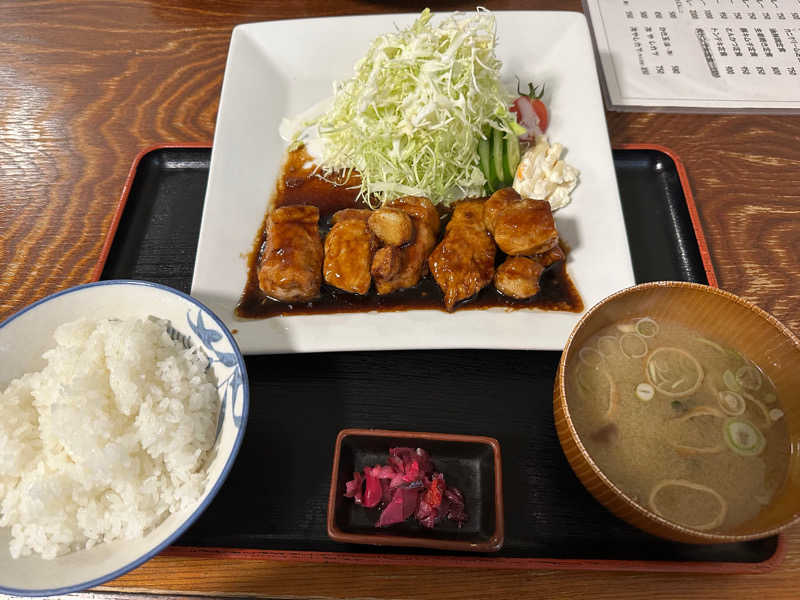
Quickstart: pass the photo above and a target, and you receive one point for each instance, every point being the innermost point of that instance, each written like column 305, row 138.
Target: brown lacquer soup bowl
column 715, row 315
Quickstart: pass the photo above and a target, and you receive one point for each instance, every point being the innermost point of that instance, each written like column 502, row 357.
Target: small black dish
column 470, row 463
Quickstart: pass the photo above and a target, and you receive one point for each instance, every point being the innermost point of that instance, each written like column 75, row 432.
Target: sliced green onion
column 612, row 395
column 715, row 522
column 748, row 377
column 677, row 364
column 607, row 345
column 761, row 406
column 583, row 386
column 626, row 327
column 730, row 381
column 646, row 327
column 651, row 367
column 645, row 391
column 775, row 414
column 708, row 342
column 744, row 438
column 731, row 403
column 636, row 339
column 702, row 411
column 591, row 357
column 736, row 355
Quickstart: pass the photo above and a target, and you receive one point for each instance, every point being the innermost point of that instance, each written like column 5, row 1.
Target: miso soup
column 685, row 426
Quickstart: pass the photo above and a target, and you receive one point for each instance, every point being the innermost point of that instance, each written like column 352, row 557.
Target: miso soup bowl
column 731, row 321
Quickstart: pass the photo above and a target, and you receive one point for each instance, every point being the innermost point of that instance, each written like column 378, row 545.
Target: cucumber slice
column 512, row 158
column 484, row 152
column 497, row 157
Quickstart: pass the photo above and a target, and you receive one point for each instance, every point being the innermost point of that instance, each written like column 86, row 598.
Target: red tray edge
column 123, row 200
column 565, row 564
column 487, row 562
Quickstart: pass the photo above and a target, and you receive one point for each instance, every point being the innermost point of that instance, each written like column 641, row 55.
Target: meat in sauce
column 518, row 277
column 351, row 214
column 520, row 226
column 349, row 247
column 421, row 210
column 463, row 262
column 399, row 271
column 392, row 226
column 398, row 267
column 291, row 265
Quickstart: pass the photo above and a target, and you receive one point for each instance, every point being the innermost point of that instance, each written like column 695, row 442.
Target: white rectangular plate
column 279, row 68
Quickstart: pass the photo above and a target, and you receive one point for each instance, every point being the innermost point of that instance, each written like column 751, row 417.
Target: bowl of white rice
column 122, row 408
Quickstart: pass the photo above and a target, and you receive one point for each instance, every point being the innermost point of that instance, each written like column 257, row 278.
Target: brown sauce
column 299, row 185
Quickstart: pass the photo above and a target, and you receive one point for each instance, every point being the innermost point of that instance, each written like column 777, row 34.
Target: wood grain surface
column 85, row 85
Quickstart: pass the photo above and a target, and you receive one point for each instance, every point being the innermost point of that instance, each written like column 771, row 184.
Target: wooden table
column 84, row 86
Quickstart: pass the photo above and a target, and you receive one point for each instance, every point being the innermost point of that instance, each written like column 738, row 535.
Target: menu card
column 712, row 55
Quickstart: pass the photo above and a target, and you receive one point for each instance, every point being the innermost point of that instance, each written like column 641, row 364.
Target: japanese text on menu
column 699, row 53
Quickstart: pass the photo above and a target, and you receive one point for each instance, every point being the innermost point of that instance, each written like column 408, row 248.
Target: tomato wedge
column 530, row 111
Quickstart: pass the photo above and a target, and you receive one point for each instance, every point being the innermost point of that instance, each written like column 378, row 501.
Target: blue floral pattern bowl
column 26, row 335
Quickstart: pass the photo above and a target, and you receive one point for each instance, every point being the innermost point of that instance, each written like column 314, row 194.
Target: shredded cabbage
column 410, row 119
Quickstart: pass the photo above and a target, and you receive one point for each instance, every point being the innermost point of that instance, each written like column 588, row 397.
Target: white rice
column 107, row 440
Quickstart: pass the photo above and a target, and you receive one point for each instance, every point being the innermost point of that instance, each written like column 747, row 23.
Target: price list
column 702, row 54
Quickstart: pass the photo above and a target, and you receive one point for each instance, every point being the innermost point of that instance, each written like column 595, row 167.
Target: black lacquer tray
column 274, row 502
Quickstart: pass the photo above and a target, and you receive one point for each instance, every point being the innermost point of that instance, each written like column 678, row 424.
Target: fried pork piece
column 291, row 265
column 463, row 262
column 498, row 202
column 386, row 264
column 518, row 277
column 526, row 228
column 420, row 209
column 550, row 257
column 350, row 214
column 392, row 226
column 397, row 268
column 349, row 248
column 521, row 226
